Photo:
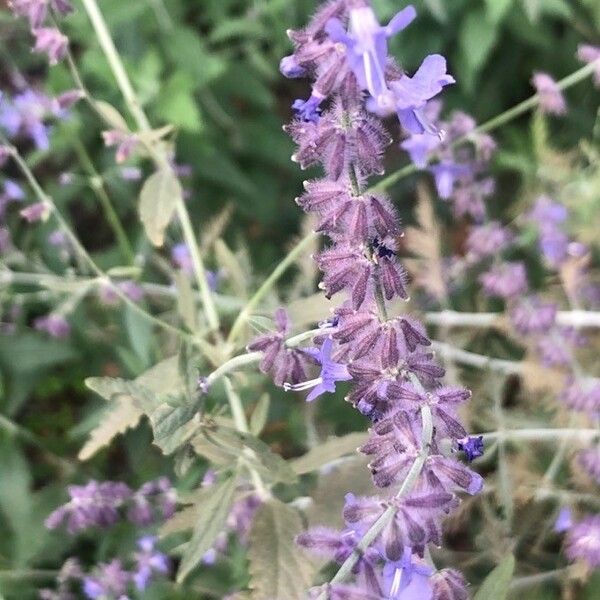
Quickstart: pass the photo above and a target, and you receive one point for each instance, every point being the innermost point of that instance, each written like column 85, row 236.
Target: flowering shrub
column 412, row 415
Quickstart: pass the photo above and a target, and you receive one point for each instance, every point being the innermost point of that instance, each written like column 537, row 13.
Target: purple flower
column 407, row 578
column 55, row 325
column 309, row 110
column 37, row 10
column 366, row 46
column 412, row 93
column 13, row 191
column 552, row 101
column 505, row 280
column 110, row 580
column 91, row 505
column 50, row 41
column 40, row 211
column 331, row 372
column 126, row 143
column 445, row 174
column 25, row 115
column 589, row 461
column 591, row 55
column 449, row 584
column 420, row 147
column 472, row 446
column 488, row 240
column 282, row 363
column 155, row 501
column 131, row 173
column 582, row 541
column 564, row 520
column 149, row 561
column 532, row 315
column 583, row 395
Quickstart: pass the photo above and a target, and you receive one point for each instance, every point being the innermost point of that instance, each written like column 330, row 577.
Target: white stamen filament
column 305, row 385
column 396, row 583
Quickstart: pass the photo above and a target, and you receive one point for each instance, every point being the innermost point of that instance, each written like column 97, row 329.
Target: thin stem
column 97, row 184
column 494, row 123
column 477, row 360
column 269, row 282
column 241, row 424
column 449, row 318
column 161, row 158
column 520, row 583
column 541, row 435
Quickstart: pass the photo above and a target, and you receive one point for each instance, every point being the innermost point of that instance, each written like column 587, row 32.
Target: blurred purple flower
column 552, row 101
column 24, row 115
column 589, row 461
column 55, row 325
column 582, row 542
column 110, row 580
column 505, row 280
column 37, row 10
column 564, row 520
column 591, row 55
column 40, row 211
column 50, row 41
column 148, row 562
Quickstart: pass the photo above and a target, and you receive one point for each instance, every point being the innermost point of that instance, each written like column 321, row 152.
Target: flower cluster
column 395, row 379
column 111, row 580
column 48, row 38
column 102, row 504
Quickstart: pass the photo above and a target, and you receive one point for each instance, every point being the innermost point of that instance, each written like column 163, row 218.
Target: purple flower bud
column 66, row 101
column 148, row 562
column 590, row 55
column 308, row 110
column 564, row 520
column 126, row 143
column 582, row 541
column 289, row 67
column 110, row 580
column 532, row 315
column 505, row 280
column 552, row 101
column 40, row 211
column 472, row 446
column 50, row 41
column 449, row 584
column 54, row 325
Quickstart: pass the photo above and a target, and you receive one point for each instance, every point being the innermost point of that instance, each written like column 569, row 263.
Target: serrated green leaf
column 173, row 426
column 266, row 462
column 121, row 415
column 211, row 520
column 277, row 567
column 328, row 451
column 495, row 586
column 260, row 414
column 158, row 199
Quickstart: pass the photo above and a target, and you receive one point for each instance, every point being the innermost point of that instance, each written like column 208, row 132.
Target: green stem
column 264, row 289
column 494, row 123
column 97, row 184
column 541, row 435
column 136, row 110
column 81, row 252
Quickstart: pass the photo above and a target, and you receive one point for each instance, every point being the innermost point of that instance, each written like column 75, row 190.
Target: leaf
column 477, row 38
column 129, row 400
column 424, row 242
column 497, row 9
column 495, row 585
column 211, row 521
column 260, row 414
column 236, row 274
column 328, row 451
column 122, row 414
column 186, row 305
column 159, row 196
column 111, row 115
column 174, row 426
column 277, row 566
column 266, row 462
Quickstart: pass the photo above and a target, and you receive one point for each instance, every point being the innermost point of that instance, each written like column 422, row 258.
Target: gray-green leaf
column 278, row 568
column 211, row 520
column 158, row 200
column 328, row 451
column 496, row 584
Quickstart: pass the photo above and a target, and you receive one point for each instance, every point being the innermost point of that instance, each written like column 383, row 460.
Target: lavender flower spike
column 330, row 373
column 366, row 46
